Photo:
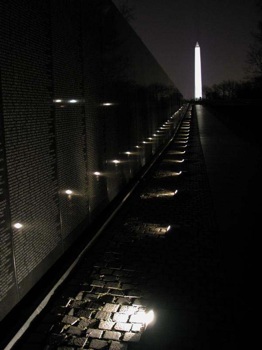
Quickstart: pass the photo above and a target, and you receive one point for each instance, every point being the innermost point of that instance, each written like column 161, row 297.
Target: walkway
column 182, row 245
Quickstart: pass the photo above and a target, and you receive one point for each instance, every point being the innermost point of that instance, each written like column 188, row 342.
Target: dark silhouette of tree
column 251, row 88
column 226, row 90
column 254, row 55
column 126, row 9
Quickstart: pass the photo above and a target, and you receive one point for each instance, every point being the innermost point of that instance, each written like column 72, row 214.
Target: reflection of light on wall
column 116, row 161
column 69, row 192
column 59, row 100
column 182, row 137
column 159, row 194
column 168, row 173
column 174, row 160
column 181, row 141
column 106, row 104
column 176, row 152
column 166, row 194
column 18, row 225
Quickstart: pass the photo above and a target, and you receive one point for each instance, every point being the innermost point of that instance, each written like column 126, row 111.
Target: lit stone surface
column 132, row 337
column 137, row 318
column 102, row 315
column 70, row 319
column 111, row 307
column 125, row 327
column 112, row 335
column 108, row 325
column 98, row 344
column 117, row 346
column 120, row 317
column 128, row 310
column 74, row 330
column 94, row 333
column 137, row 327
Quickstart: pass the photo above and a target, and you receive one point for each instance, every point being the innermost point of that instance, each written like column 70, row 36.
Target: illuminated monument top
column 198, row 76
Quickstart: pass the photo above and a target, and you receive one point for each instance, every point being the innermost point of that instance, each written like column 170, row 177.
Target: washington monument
column 198, row 76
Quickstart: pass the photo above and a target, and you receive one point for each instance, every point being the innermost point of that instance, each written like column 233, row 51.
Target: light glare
column 149, row 317
column 106, row 104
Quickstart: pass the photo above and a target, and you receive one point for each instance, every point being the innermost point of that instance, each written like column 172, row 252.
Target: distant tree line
column 251, row 87
column 234, row 90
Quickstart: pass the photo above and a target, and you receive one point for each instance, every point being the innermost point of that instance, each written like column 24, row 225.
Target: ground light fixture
column 149, row 318
column 107, row 104
column 174, row 160
column 18, row 225
column 143, row 317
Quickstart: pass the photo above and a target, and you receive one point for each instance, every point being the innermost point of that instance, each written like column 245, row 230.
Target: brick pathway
column 159, row 253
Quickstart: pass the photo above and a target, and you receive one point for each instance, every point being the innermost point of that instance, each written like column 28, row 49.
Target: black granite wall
column 78, row 92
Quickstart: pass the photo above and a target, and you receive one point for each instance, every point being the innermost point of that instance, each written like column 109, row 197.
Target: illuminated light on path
column 198, row 77
column 149, row 317
column 143, row 317
column 18, row 225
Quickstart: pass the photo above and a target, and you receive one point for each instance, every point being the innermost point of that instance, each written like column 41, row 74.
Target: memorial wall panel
column 95, row 105
column 69, row 113
column 8, row 286
column 81, row 100
column 29, row 137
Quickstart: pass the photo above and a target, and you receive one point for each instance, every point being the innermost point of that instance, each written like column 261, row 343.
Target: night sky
column 171, row 28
